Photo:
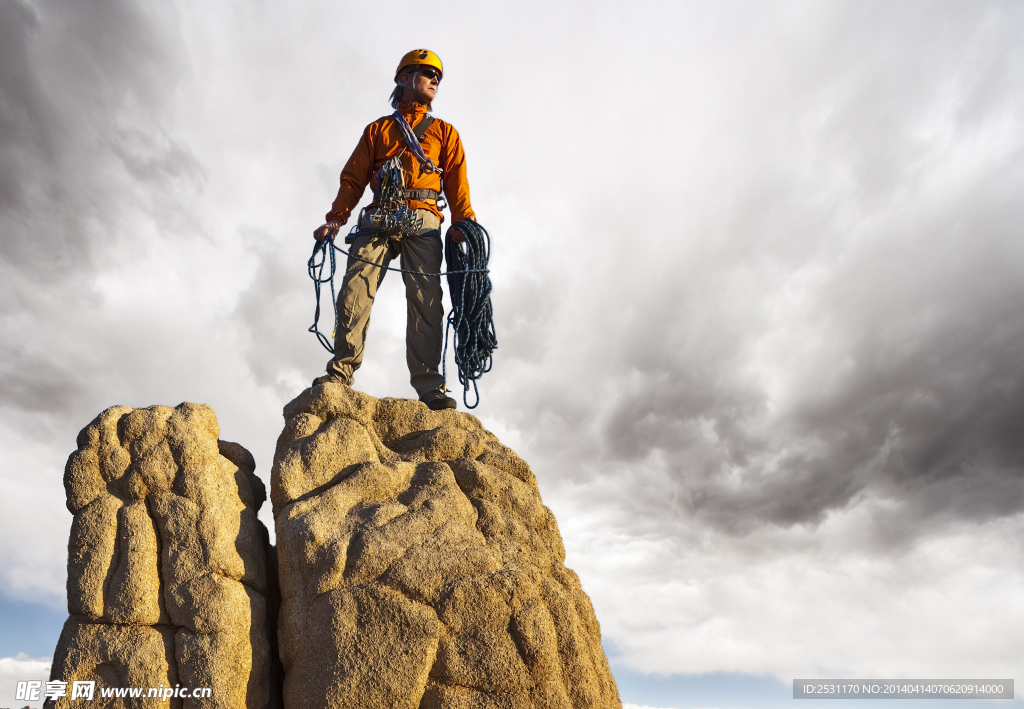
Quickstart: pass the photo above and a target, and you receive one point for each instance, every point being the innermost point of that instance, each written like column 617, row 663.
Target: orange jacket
column 383, row 139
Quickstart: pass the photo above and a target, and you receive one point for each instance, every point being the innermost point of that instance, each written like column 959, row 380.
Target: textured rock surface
column 419, row 567
column 167, row 562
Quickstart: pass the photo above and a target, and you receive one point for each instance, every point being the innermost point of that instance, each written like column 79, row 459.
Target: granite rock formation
column 419, row 567
column 167, row 562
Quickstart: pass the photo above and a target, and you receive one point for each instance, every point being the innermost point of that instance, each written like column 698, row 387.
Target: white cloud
column 19, row 669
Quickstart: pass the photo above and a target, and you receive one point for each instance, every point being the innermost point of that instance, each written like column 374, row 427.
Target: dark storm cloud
column 889, row 168
column 31, row 384
column 926, row 394
column 83, row 155
column 80, row 91
column 945, row 414
column 24, row 122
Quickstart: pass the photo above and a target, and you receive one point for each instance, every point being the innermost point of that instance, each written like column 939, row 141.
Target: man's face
column 423, row 84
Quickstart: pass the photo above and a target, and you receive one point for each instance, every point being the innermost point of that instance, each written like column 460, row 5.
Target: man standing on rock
column 418, row 241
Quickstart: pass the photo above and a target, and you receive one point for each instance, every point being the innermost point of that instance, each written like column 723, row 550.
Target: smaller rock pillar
column 167, row 564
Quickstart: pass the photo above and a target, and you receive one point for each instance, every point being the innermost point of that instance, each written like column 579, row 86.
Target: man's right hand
column 327, row 231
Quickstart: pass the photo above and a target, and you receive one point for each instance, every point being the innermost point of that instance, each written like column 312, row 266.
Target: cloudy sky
column 759, row 283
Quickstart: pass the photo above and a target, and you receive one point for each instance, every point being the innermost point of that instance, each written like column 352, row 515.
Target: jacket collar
column 411, row 110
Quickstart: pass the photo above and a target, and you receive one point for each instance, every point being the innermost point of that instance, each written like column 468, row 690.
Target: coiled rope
column 471, row 316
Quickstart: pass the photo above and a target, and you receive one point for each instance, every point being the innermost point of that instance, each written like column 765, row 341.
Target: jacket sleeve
column 354, row 178
column 456, row 186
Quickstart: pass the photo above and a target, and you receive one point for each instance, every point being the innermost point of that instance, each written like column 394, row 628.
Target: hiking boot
column 329, row 377
column 437, row 400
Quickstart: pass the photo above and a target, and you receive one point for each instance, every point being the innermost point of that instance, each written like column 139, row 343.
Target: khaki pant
column 424, row 326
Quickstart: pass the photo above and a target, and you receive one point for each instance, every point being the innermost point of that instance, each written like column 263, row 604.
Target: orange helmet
column 419, row 57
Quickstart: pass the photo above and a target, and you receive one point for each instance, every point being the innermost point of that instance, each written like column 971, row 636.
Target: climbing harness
column 391, row 215
column 471, row 317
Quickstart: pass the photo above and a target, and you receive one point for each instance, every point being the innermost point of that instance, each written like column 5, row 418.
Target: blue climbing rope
column 316, row 272
column 471, row 317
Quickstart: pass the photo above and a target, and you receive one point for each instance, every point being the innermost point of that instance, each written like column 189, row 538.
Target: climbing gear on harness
column 437, row 400
column 419, row 57
column 392, row 216
column 471, row 317
column 412, row 141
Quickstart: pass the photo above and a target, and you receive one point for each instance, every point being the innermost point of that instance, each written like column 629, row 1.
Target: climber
column 411, row 230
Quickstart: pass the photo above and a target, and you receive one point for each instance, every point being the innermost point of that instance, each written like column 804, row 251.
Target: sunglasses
column 430, row 73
